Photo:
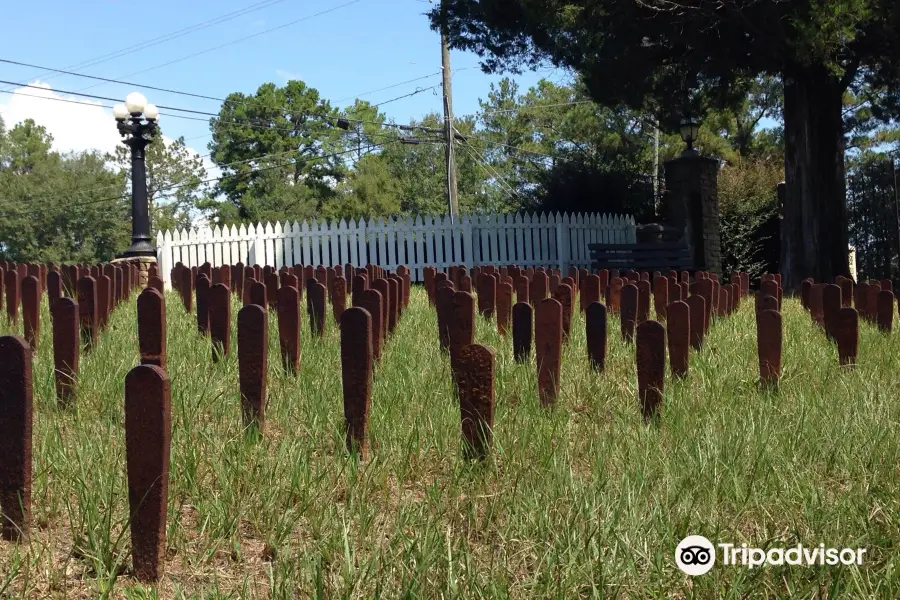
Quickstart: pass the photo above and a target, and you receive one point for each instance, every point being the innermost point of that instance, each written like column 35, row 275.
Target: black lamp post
column 138, row 133
column 690, row 131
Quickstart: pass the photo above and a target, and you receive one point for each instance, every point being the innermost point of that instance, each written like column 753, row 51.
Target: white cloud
column 74, row 127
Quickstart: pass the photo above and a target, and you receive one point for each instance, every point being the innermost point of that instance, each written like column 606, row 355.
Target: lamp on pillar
column 136, row 120
column 690, row 131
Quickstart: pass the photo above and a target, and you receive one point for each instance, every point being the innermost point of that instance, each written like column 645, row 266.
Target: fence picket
column 343, row 246
column 390, row 239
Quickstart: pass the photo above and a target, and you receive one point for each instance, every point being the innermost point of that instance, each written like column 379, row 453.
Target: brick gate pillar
column 691, row 204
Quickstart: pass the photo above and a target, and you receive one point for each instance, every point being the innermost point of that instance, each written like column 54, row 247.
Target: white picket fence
column 558, row 241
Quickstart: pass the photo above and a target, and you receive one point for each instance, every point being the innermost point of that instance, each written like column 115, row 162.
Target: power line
column 488, row 168
column 165, row 37
column 418, row 91
column 188, row 110
column 109, row 80
column 191, row 94
column 241, row 39
column 389, row 87
column 163, row 107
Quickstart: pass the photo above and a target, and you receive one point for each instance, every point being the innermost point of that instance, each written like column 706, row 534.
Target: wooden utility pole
column 656, row 165
column 450, row 192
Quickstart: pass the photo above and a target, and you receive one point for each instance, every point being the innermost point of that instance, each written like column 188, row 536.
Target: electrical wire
column 163, row 38
column 191, row 94
column 389, row 87
column 491, row 172
column 238, row 40
column 109, row 80
column 217, row 116
column 163, row 107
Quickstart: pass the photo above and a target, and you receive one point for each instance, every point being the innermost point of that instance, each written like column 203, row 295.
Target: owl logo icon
column 695, row 555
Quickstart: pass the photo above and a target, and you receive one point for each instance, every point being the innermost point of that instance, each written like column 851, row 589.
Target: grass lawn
column 583, row 501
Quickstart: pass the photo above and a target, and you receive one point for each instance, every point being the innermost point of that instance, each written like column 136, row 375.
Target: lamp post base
column 143, row 264
column 139, row 249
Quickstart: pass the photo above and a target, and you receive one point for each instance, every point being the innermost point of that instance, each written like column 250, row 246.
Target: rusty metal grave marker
column 548, row 349
column 220, row 321
column 187, row 289
column 643, row 303
column 66, row 348
column 817, row 303
column 289, row 328
column 373, row 303
column 697, row 309
column 614, row 296
column 31, row 310
column 678, row 335
column 16, row 417
column 444, row 307
column 12, row 296
column 315, row 307
column 475, row 373
column 661, row 296
column 846, row 333
column 651, row 366
column 504, row 307
column 596, row 322
column 338, row 297
column 522, row 317
column 885, row 310
column 629, row 311
column 564, row 294
column 258, row 294
column 462, row 328
column 590, row 291
column 148, row 438
column 768, row 340
column 151, row 309
column 356, row 376
column 87, row 310
column 203, row 287
column 831, row 305
column 253, row 350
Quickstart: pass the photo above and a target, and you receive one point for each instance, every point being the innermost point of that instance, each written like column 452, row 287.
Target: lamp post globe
column 135, row 102
column 137, row 133
column 690, row 131
column 151, row 113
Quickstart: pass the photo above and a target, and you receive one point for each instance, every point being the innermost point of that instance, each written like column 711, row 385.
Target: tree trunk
column 814, row 240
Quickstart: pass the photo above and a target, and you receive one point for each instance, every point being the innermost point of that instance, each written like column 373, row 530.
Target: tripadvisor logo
column 696, row 555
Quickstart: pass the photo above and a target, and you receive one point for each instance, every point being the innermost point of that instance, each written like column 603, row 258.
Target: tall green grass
column 584, row 500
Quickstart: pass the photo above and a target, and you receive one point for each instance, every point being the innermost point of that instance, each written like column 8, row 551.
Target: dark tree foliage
column 874, row 220
column 575, row 185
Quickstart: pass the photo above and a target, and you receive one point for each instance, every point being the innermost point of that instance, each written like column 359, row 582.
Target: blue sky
column 363, row 46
